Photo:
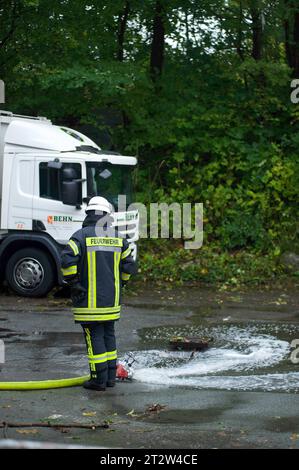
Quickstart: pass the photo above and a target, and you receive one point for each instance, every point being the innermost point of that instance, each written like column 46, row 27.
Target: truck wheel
column 30, row 273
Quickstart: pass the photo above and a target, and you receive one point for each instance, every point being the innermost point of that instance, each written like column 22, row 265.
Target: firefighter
column 96, row 262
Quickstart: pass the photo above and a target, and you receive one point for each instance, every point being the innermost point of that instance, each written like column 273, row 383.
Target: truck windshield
column 110, row 181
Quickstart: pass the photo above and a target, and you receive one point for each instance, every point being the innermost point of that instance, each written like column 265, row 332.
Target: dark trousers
column 101, row 350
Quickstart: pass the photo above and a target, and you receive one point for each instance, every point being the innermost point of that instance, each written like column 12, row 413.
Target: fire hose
column 122, row 374
column 44, row 384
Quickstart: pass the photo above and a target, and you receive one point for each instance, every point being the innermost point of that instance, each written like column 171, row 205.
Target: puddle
column 187, row 416
column 43, row 355
column 255, row 357
column 6, row 334
column 251, row 357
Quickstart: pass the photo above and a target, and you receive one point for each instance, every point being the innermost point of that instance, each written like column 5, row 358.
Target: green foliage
column 167, row 262
column 242, row 229
column 217, row 127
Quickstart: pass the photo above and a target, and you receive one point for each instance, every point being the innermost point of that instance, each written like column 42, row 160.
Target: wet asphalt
column 42, row 342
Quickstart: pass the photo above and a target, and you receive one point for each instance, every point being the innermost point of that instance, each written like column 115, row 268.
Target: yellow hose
column 43, row 384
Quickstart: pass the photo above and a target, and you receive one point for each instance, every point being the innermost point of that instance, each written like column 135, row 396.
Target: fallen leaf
column 27, row 431
column 89, row 413
column 155, row 408
column 54, row 417
column 133, row 414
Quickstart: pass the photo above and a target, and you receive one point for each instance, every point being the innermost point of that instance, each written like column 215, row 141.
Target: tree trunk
column 158, row 41
column 121, row 30
column 291, row 27
column 239, row 45
column 188, row 42
column 257, row 30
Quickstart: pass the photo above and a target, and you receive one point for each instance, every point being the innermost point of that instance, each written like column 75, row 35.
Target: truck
column 48, row 173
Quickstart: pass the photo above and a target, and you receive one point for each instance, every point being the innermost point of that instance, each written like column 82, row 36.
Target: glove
column 78, row 292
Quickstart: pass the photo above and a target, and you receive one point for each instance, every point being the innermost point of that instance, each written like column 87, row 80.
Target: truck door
column 19, row 207
column 60, row 220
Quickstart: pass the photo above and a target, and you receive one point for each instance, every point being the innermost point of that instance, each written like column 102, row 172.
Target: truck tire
column 30, row 273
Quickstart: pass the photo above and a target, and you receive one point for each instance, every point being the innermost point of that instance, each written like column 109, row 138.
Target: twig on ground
column 7, row 425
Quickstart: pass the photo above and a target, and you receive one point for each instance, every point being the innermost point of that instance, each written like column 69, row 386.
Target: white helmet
column 99, row 203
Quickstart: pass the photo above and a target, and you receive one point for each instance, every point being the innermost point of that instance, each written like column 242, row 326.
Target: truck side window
column 50, row 180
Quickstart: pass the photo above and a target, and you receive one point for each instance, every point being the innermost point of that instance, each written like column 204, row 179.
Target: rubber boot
column 111, row 375
column 111, row 383
column 93, row 385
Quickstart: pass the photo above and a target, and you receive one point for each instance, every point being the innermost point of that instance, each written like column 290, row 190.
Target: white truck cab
column 47, row 175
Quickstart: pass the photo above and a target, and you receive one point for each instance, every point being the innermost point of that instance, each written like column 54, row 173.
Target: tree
column 122, row 25
column 291, row 28
column 158, row 40
column 257, row 29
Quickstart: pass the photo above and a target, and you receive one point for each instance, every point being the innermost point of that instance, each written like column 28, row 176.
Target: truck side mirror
column 70, row 187
column 69, row 174
column 70, row 193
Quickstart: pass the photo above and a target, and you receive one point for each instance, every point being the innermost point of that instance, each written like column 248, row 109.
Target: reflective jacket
column 99, row 264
